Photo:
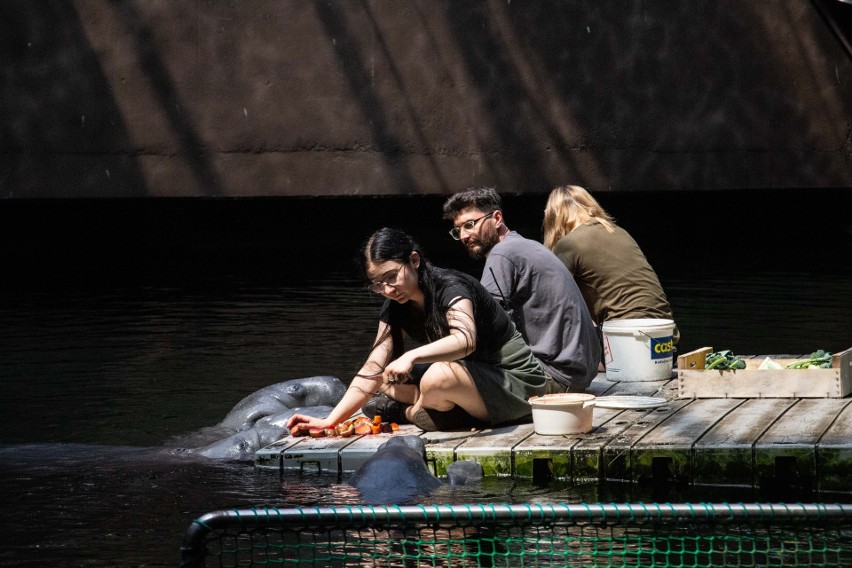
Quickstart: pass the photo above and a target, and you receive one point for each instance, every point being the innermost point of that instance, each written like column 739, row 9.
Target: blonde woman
column 615, row 278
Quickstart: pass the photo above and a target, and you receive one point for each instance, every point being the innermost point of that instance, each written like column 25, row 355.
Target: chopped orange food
column 298, row 431
column 394, row 426
column 377, row 419
column 362, row 429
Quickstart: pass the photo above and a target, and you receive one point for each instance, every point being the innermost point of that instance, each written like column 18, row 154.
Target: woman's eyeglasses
column 467, row 226
column 378, row 286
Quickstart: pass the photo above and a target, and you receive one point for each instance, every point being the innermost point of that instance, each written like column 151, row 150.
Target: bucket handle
column 639, row 331
column 589, row 403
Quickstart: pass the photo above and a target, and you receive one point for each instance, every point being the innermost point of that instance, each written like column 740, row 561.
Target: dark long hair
column 389, row 244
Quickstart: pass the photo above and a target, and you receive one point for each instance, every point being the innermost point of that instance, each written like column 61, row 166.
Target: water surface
column 112, row 352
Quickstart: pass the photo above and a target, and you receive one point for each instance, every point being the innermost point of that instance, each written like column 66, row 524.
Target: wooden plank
column 269, row 457
column 610, row 455
column 785, row 455
column 359, row 451
column 600, row 385
column 811, row 438
column 555, row 451
column 664, row 453
column 558, row 451
column 644, row 388
column 492, row 448
column 315, row 455
column 724, row 455
column 441, row 448
column 834, row 455
column 587, row 455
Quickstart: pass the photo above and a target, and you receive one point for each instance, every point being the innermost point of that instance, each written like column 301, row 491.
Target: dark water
column 127, row 325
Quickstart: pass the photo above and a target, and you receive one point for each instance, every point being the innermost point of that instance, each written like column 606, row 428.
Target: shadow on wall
column 61, row 110
column 524, row 96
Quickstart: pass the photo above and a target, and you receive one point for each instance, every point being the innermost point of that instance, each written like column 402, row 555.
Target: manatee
column 464, row 472
column 396, row 473
column 275, row 399
column 240, row 446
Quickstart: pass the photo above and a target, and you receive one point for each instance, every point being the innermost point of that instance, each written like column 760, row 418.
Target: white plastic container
column 563, row 413
column 638, row 349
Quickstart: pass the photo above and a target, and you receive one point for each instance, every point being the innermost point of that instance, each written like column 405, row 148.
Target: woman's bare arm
column 366, row 383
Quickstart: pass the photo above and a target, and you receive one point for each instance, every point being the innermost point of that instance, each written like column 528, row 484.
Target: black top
column 494, row 327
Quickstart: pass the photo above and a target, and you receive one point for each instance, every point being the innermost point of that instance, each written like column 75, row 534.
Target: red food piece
column 362, row 429
column 298, row 430
column 317, row 432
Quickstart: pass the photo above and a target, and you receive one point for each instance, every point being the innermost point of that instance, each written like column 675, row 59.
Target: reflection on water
column 95, row 387
column 97, row 380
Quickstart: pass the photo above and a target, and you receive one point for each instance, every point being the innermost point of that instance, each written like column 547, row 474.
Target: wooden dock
column 756, row 442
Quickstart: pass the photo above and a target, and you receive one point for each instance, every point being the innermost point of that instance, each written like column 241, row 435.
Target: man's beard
column 485, row 245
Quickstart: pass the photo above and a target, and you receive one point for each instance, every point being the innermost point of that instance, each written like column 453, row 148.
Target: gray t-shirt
column 547, row 307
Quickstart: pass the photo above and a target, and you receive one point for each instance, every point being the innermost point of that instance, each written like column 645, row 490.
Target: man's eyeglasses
column 378, row 286
column 467, row 226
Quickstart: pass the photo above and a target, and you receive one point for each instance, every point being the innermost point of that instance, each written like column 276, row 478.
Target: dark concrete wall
column 344, row 97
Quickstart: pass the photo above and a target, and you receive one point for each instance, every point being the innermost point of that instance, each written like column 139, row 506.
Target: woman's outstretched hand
column 308, row 422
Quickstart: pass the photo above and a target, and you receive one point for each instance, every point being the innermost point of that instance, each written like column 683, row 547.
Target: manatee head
column 396, row 473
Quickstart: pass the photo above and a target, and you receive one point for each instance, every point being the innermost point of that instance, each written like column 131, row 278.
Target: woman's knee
column 446, row 385
column 440, row 377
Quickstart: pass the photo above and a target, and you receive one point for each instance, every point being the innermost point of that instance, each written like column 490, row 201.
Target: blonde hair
column 569, row 206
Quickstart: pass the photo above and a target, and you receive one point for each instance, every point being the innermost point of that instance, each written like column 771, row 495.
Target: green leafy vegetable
column 819, row 359
column 723, row 360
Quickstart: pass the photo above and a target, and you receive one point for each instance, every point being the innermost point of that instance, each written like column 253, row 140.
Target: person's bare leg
column 446, row 385
column 406, row 394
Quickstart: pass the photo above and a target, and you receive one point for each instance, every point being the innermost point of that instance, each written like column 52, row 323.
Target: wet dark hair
column 389, row 244
column 486, row 199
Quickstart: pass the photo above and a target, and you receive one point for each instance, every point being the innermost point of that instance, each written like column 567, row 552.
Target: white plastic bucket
column 563, row 413
column 638, row 349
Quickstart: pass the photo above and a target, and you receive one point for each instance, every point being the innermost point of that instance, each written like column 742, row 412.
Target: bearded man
column 532, row 284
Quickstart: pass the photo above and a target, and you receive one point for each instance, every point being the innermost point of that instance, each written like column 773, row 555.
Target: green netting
column 683, row 535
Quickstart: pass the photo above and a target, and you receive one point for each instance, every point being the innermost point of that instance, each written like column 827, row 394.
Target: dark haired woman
column 469, row 368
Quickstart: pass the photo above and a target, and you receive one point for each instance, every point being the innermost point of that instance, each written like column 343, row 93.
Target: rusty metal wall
column 138, row 98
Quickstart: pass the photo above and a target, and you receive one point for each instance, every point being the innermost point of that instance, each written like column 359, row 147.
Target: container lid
column 634, row 324
column 563, row 398
column 630, row 401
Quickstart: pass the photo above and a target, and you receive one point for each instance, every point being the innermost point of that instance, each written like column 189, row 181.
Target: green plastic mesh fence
column 683, row 535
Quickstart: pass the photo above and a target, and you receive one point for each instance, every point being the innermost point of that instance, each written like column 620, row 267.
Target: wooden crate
column 694, row 381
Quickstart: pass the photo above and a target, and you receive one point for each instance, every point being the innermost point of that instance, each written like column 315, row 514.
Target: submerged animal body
column 242, row 445
column 396, row 473
column 464, row 472
column 261, row 418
